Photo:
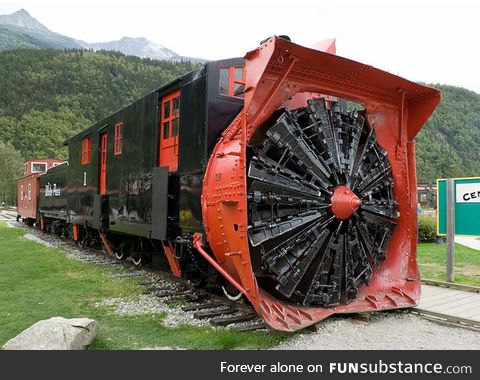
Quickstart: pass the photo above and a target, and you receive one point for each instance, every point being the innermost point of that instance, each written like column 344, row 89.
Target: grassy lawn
column 37, row 283
column 433, row 258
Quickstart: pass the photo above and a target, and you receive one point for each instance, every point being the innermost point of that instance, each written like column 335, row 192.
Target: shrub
column 427, row 229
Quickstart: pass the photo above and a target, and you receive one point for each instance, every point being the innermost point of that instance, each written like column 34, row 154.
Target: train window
column 29, row 194
column 175, row 127
column 39, row 167
column 118, row 139
column 176, row 106
column 166, row 132
column 232, row 81
column 166, row 109
column 238, row 89
column 224, row 81
column 86, row 150
column 21, row 192
column 238, row 73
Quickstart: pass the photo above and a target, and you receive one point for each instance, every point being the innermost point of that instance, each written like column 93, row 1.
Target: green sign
column 467, row 206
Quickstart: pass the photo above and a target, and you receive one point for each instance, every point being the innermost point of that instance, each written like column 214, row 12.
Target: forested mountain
column 448, row 145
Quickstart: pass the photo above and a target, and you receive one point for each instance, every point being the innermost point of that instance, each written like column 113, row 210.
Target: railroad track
column 201, row 303
column 205, row 305
column 450, row 304
column 217, row 310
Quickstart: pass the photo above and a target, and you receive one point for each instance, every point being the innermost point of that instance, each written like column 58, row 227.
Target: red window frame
column 86, row 150
column 232, row 81
column 117, row 142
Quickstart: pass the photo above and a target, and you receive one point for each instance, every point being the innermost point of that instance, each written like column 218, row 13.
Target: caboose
column 29, row 188
column 287, row 176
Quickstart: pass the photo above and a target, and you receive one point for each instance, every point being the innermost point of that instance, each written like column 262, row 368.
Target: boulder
column 56, row 333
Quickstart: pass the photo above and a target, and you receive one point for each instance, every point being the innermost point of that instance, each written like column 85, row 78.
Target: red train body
column 29, row 187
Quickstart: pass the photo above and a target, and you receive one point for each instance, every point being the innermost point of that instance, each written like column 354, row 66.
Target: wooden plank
column 444, row 295
column 476, row 316
column 428, row 292
column 445, row 300
column 225, row 321
column 214, row 313
column 452, row 285
column 473, row 314
column 201, row 306
column 460, row 309
column 432, row 290
column 452, row 305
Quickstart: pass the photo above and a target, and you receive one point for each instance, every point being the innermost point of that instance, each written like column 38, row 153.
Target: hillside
column 448, row 145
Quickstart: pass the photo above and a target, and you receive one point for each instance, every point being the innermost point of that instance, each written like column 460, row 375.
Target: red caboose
column 29, row 189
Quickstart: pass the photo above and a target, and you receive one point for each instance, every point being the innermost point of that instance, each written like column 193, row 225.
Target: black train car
column 137, row 174
column 53, row 199
column 252, row 169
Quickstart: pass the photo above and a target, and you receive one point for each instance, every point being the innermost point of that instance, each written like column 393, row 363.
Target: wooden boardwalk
column 451, row 305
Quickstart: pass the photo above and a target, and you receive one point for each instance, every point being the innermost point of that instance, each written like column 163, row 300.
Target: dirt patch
column 468, row 270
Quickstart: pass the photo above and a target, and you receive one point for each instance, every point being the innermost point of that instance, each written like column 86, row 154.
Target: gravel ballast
column 384, row 331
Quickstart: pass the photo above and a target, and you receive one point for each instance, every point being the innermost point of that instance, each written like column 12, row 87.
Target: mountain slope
column 23, row 19
column 448, row 145
column 140, row 47
column 14, row 39
column 23, row 24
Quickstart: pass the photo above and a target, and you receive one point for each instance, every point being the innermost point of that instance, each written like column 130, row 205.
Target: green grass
column 37, row 283
column 432, row 259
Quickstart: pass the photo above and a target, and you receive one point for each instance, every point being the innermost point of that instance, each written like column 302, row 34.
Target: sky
column 434, row 41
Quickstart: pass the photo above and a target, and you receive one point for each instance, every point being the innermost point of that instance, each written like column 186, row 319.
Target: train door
column 103, row 164
column 169, row 130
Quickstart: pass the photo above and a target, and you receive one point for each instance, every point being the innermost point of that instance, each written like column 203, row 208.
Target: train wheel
column 234, row 297
column 120, row 255
column 82, row 241
column 137, row 261
column 122, row 252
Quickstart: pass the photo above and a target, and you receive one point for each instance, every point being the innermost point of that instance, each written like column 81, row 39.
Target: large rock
column 56, row 333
